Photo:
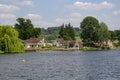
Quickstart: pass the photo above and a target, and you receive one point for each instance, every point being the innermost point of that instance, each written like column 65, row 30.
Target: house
column 60, row 42
column 72, row 44
column 34, row 42
column 108, row 43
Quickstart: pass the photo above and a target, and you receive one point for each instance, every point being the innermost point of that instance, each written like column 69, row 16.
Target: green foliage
column 50, row 37
column 117, row 33
column 67, row 32
column 51, row 33
column 77, row 31
column 51, row 30
column 1, row 52
column 93, row 32
column 87, row 48
column 102, row 33
column 115, row 36
column 37, row 32
column 26, row 29
column 88, row 27
column 9, row 41
column 23, row 23
column 105, row 47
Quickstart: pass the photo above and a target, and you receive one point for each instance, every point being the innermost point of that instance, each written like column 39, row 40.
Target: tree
column 105, row 34
column 62, row 32
column 88, row 27
column 26, row 29
column 117, row 33
column 77, row 31
column 37, row 32
column 70, row 31
column 102, row 33
column 67, row 32
column 113, row 35
column 23, row 23
column 9, row 41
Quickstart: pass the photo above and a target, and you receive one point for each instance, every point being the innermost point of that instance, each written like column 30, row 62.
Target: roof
column 33, row 40
column 61, row 41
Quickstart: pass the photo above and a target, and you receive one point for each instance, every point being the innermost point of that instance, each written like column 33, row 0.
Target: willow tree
column 9, row 41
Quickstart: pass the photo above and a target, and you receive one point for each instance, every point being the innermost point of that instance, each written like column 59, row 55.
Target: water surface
column 61, row 65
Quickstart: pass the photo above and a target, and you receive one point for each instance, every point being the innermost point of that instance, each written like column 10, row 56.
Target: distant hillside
column 51, row 33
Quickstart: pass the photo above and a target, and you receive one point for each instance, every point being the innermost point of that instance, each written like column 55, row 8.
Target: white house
column 34, row 42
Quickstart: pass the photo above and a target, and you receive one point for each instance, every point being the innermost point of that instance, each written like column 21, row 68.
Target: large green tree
column 67, row 32
column 103, row 32
column 117, row 34
column 26, row 29
column 9, row 41
column 88, row 27
column 113, row 35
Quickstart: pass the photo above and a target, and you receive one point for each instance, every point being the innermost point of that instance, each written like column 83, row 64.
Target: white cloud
column 38, row 21
column 7, row 19
column 90, row 5
column 66, row 20
column 33, row 16
column 73, row 18
column 116, row 12
column 8, row 8
column 74, row 21
column 43, row 24
column 27, row 3
column 76, row 15
column 22, row 2
column 7, row 16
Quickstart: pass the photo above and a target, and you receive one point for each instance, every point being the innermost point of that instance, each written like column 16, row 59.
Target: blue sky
column 50, row 13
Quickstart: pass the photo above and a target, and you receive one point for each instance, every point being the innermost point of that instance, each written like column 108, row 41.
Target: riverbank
column 67, row 49
column 50, row 49
column 64, row 49
column 1, row 52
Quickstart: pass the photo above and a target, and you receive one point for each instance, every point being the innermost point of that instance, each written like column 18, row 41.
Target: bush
column 1, row 52
column 105, row 47
column 87, row 48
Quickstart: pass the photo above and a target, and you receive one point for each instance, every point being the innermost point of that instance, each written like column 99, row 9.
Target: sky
column 52, row 13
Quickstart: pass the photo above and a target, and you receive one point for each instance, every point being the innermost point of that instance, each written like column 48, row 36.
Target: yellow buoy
column 23, row 60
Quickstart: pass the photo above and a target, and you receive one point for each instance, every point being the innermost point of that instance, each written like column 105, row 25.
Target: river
column 61, row 65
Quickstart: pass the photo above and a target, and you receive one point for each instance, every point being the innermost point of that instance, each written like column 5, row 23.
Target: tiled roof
column 33, row 40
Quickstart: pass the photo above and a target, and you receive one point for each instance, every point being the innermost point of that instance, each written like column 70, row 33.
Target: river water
column 61, row 65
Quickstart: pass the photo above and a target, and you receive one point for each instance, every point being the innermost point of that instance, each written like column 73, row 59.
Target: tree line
column 51, row 33
column 90, row 31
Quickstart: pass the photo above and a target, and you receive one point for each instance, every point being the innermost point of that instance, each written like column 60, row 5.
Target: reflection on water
column 61, row 65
